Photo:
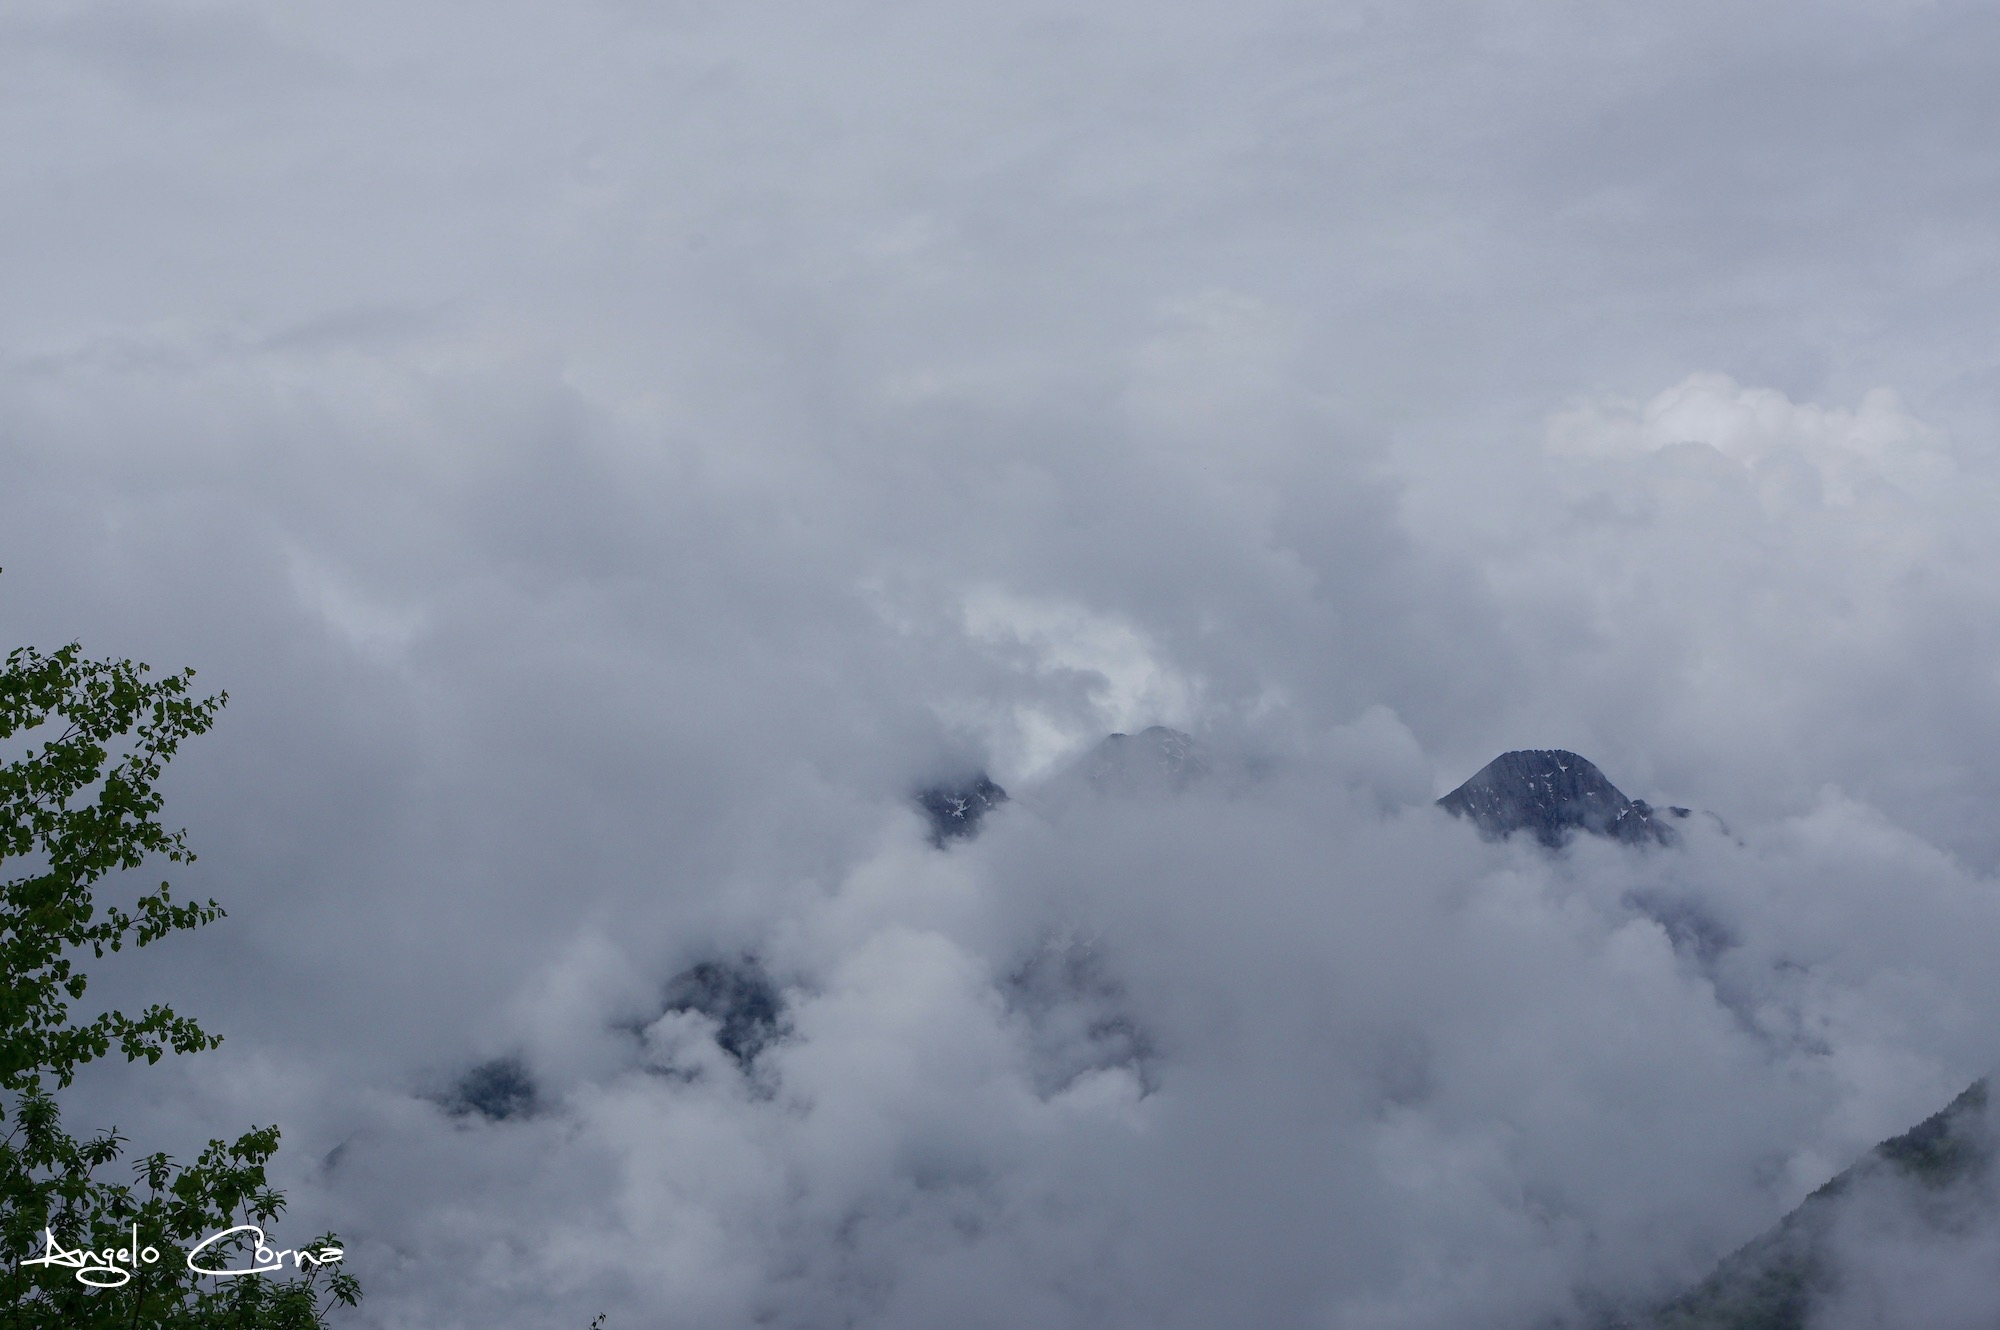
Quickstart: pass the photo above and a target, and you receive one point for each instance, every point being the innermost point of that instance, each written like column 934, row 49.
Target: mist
column 614, row 456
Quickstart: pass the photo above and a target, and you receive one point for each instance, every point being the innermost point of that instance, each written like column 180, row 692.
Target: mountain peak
column 956, row 808
column 1554, row 793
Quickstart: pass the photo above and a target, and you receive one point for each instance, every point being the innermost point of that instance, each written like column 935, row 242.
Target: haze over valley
column 1007, row 666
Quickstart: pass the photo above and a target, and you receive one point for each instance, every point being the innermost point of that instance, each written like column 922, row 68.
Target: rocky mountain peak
column 1554, row 793
column 956, row 808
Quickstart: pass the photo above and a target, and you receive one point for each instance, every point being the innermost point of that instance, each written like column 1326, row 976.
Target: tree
column 76, row 811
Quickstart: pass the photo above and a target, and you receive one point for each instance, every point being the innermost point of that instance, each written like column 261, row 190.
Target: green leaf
column 79, row 807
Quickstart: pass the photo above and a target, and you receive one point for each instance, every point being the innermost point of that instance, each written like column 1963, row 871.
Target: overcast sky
column 612, row 452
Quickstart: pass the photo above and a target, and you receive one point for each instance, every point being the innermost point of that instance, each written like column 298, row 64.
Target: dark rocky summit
column 956, row 808
column 495, row 1090
column 1554, row 794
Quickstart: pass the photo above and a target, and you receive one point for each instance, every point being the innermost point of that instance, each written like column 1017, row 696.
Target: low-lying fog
column 614, row 456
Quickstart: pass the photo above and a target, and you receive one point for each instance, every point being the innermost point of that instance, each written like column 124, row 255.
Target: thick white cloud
column 612, row 453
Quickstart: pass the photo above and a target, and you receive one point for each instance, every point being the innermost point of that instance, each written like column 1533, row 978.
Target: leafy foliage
column 84, row 805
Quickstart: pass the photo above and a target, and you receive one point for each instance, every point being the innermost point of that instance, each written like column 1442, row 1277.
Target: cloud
column 612, row 457
column 1809, row 454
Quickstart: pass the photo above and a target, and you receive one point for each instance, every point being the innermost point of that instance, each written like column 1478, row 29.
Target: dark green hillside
column 1774, row 1282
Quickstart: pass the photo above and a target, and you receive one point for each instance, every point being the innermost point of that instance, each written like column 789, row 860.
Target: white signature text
column 113, row 1266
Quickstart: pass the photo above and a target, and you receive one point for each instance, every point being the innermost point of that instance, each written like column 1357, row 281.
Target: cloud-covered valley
column 614, row 457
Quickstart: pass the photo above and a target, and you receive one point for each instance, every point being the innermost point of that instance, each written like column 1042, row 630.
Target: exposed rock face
column 1156, row 760
column 739, row 997
column 956, row 808
column 1554, row 794
column 493, row 1090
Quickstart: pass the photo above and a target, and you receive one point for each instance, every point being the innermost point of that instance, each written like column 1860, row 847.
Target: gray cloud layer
column 611, row 452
